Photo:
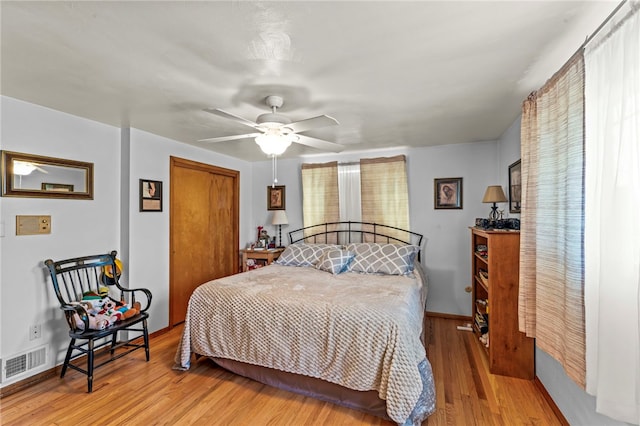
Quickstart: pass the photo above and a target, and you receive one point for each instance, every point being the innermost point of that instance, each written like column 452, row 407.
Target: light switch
column 33, row 225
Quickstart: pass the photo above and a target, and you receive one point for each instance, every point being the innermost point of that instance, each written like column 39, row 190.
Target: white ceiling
column 393, row 73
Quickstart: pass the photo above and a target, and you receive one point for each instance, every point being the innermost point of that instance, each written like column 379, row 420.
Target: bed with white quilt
column 337, row 320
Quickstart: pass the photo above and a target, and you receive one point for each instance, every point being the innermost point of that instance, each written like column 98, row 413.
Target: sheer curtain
column 612, row 235
column 385, row 194
column 551, row 276
column 349, row 189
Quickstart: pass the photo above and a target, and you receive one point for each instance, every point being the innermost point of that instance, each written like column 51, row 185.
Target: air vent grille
column 37, row 358
column 24, row 362
column 15, row 366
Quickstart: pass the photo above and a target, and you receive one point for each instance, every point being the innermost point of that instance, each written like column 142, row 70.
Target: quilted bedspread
column 360, row 331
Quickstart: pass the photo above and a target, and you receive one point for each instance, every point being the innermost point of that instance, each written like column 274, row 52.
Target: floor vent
column 23, row 363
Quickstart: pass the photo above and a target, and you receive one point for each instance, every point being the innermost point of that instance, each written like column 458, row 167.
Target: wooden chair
column 73, row 278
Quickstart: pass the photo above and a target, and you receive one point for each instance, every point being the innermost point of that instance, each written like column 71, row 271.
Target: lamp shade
column 279, row 218
column 494, row 194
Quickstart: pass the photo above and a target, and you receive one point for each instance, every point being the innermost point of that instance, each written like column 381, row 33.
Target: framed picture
column 57, row 187
column 150, row 195
column 447, row 193
column 515, row 187
column 275, row 198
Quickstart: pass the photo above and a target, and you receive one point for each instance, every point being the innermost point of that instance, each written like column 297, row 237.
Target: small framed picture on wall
column 275, row 198
column 150, row 195
column 515, row 187
column 447, row 193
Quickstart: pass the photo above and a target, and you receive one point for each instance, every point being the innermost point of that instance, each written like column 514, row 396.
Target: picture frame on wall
column 515, row 187
column 150, row 195
column 447, row 193
column 58, row 187
column 276, row 197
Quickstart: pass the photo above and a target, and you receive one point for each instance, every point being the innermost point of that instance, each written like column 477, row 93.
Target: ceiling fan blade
column 312, row 123
column 319, row 144
column 230, row 138
column 40, row 169
column 230, row 116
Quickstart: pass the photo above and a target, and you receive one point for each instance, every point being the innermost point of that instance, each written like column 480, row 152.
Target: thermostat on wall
column 33, row 225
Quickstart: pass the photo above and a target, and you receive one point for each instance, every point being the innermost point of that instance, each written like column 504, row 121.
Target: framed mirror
column 27, row 175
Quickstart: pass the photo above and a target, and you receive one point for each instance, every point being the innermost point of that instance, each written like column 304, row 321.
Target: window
column 375, row 190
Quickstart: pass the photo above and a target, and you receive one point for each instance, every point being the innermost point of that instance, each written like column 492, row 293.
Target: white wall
column 78, row 226
column 446, row 252
column 148, row 264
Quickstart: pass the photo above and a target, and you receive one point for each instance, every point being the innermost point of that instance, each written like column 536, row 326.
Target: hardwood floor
column 133, row 392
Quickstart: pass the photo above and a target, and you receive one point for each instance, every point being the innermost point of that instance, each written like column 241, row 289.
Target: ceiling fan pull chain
column 274, row 170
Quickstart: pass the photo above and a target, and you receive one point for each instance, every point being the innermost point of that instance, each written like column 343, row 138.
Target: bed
column 339, row 317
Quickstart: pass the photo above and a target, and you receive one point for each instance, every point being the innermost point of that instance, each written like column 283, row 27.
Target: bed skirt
column 365, row 401
column 368, row 401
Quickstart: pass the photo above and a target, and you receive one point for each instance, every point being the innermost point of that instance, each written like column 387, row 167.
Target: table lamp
column 494, row 194
column 279, row 218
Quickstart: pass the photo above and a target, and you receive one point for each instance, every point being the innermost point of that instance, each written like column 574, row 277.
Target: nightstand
column 264, row 256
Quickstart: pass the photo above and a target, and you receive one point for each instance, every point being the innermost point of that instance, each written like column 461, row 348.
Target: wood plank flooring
column 133, row 392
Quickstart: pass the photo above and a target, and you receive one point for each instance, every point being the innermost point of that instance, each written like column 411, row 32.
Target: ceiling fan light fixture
column 22, row 168
column 274, row 143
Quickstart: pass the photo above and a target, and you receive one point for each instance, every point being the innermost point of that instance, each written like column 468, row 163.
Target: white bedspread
column 359, row 331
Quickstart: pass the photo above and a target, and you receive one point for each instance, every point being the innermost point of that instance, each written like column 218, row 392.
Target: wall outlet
column 35, row 332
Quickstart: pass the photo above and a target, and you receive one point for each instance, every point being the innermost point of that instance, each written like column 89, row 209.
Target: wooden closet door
column 204, row 233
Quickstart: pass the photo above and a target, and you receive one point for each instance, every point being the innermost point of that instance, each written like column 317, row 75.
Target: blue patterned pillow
column 335, row 261
column 303, row 254
column 390, row 259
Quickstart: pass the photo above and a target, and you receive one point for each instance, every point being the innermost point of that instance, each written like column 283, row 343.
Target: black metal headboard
column 354, row 232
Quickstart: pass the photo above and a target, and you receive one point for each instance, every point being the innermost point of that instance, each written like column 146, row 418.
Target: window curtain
column 529, row 206
column 385, row 194
column 349, row 190
column 552, row 276
column 320, row 203
column 612, row 235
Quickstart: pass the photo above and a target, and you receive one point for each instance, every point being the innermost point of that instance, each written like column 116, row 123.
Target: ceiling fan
column 275, row 132
column 23, row 168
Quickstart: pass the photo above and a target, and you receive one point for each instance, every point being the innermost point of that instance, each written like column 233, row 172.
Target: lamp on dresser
column 494, row 194
column 279, row 218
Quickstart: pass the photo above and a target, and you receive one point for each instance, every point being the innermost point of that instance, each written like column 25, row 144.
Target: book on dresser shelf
column 494, row 286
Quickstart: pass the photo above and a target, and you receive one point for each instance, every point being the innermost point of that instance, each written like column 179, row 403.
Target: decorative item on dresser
column 494, row 284
column 494, row 194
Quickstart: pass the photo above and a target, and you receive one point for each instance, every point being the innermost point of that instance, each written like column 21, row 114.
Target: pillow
column 390, row 259
column 303, row 254
column 335, row 261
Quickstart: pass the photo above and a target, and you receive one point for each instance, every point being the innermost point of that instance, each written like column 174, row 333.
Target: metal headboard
column 354, row 232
